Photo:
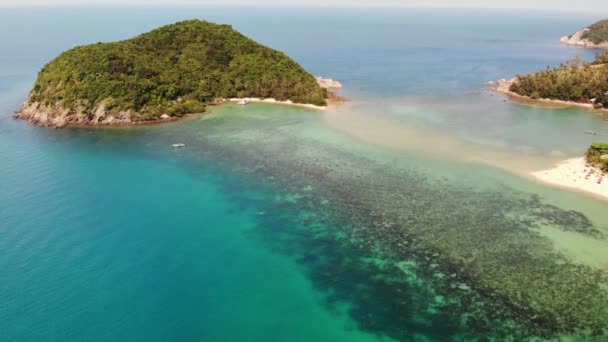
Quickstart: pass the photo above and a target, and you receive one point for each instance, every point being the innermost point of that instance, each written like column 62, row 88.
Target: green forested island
column 170, row 71
column 575, row 81
column 593, row 36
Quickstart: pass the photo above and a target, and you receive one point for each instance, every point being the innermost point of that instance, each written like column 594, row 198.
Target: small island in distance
column 573, row 83
column 164, row 74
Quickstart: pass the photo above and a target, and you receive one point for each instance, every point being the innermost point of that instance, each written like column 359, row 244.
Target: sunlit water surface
column 398, row 216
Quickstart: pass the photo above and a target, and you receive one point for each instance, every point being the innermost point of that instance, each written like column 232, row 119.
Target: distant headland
column 165, row 74
column 574, row 83
column 594, row 36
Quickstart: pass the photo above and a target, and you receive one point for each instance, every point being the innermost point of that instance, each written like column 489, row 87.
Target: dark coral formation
column 409, row 254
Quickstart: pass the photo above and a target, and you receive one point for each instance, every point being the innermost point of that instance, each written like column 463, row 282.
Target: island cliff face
column 58, row 116
column 162, row 75
column 594, row 36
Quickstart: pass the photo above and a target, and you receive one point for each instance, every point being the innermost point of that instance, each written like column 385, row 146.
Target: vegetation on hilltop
column 598, row 32
column 173, row 70
column 574, row 81
column 595, row 153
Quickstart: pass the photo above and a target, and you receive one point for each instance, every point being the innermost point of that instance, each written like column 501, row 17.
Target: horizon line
column 162, row 3
column 275, row 6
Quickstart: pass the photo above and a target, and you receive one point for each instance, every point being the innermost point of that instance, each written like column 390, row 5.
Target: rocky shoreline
column 328, row 83
column 578, row 40
column 59, row 117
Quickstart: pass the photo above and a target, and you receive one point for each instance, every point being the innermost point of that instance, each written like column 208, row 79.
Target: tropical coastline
column 48, row 118
column 275, row 101
column 575, row 82
column 575, row 174
column 333, row 100
column 503, row 86
column 419, row 210
column 150, row 78
column 545, row 171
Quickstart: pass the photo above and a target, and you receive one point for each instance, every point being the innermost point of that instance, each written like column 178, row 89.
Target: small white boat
column 179, row 145
column 243, row 102
column 590, row 132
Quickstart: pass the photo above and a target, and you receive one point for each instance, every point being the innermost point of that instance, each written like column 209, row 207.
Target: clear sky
column 577, row 5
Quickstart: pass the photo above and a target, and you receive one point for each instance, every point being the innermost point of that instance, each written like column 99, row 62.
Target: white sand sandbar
column 288, row 102
column 575, row 174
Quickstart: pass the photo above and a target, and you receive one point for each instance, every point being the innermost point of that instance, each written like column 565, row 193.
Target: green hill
column 175, row 69
column 597, row 33
column 574, row 81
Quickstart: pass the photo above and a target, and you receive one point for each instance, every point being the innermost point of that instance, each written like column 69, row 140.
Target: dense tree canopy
column 597, row 155
column 174, row 69
column 574, row 81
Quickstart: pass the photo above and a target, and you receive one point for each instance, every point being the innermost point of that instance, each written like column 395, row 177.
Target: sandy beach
column 273, row 101
column 574, row 174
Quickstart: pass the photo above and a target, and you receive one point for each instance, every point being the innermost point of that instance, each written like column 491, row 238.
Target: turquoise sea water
column 283, row 224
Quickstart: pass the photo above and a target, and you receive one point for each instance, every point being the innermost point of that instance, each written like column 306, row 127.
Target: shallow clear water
column 376, row 221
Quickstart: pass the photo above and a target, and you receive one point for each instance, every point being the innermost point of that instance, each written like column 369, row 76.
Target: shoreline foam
column 572, row 174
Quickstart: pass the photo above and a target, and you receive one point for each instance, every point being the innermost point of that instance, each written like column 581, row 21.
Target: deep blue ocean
column 277, row 223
